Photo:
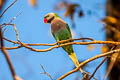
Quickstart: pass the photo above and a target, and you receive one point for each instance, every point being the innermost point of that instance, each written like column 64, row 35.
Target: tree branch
column 89, row 60
column 15, row 77
column 101, row 63
column 98, row 67
column 7, row 8
column 57, row 46
column 67, row 42
column 44, row 72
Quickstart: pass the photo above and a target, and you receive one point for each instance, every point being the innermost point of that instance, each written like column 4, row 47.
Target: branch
column 7, row 8
column 7, row 57
column 57, row 46
column 16, row 47
column 14, row 18
column 67, row 42
column 89, row 60
column 98, row 67
column 44, row 72
column 101, row 63
column 54, row 45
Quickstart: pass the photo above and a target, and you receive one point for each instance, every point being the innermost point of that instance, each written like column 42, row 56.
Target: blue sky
column 31, row 29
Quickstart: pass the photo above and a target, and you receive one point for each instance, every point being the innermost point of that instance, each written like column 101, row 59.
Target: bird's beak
column 45, row 20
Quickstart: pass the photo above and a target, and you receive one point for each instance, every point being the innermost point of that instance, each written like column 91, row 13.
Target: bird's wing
column 67, row 26
column 60, row 30
column 65, row 33
column 56, row 37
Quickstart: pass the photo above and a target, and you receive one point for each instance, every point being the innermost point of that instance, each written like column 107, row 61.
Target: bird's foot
column 85, row 74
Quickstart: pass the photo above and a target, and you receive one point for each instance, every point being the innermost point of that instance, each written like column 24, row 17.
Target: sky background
column 31, row 29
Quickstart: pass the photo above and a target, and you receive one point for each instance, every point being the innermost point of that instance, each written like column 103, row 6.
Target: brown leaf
column 109, row 20
column 61, row 5
column 117, row 35
column 104, row 49
column 32, row 2
column 71, row 10
column 91, row 47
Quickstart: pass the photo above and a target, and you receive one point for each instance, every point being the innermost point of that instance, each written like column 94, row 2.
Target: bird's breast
column 57, row 25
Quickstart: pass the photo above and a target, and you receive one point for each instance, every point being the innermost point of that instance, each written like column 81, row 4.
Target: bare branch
column 57, row 46
column 44, row 72
column 101, row 63
column 16, row 47
column 14, row 18
column 15, row 77
column 16, row 32
column 37, row 44
column 98, row 67
column 7, row 8
column 89, row 60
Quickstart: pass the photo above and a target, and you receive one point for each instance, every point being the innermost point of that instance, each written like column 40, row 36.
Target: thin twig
column 6, row 55
column 98, row 67
column 44, row 72
column 101, row 63
column 16, row 32
column 89, row 60
column 16, row 47
column 14, row 18
column 7, row 8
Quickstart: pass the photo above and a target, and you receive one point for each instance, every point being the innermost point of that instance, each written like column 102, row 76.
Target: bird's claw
column 85, row 74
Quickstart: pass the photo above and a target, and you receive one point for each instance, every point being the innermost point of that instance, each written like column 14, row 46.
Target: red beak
column 45, row 20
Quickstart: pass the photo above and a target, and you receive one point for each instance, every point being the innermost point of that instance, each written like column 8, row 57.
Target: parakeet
column 61, row 31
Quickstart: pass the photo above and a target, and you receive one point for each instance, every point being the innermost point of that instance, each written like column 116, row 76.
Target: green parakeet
column 61, row 31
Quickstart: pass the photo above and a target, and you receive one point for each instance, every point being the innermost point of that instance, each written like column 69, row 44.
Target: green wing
column 55, row 36
column 64, row 34
column 67, row 26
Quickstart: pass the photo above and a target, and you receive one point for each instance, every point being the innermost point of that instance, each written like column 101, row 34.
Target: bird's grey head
column 49, row 17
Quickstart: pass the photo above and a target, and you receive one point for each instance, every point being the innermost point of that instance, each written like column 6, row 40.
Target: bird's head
column 49, row 17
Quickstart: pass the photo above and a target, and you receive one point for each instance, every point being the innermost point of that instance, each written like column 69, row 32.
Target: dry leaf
column 71, row 10
column 117, row 35
column 32, row 2
column 61, row 5
column 91, row 47
column 109, row 20
column 104, row 49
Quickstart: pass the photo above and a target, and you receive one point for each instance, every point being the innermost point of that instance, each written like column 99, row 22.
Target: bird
column 61, row 31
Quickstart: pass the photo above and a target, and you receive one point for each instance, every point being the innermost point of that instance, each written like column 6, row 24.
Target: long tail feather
column 74, row 59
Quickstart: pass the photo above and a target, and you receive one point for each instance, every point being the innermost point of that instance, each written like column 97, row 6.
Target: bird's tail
column 74, row 59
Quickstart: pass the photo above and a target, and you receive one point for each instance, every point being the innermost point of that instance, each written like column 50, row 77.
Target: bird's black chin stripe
column 49, row 21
